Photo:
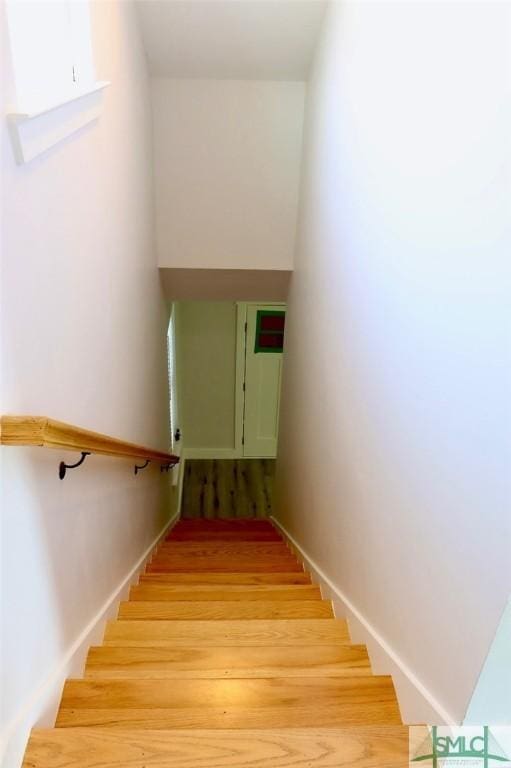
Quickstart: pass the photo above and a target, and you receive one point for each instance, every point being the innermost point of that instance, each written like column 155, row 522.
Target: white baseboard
column 211, row 453
column 416, row 702
column 179, row 483
column 220, row 453
column 41, row 707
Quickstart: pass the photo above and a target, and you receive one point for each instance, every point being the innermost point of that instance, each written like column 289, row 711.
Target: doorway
column 259, row 376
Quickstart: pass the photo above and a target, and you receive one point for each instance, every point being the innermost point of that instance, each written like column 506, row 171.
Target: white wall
column 206, row 367
column 394, row 456
column 83, row 341
column 491, row 700
column 227, row 164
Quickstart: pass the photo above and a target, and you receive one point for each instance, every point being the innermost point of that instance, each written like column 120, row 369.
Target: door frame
column 177, row 472
column 241, row 352
column 239, row 398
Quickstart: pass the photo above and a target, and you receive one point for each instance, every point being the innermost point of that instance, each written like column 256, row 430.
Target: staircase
column 225, row 656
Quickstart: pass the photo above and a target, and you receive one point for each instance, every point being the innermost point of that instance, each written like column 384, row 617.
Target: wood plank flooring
column 228, row 488
column 225, row 656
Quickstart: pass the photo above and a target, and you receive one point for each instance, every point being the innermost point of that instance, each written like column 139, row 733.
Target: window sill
column 32, row 133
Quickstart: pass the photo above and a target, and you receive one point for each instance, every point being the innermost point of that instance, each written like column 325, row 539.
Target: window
column 269, row 336
column 55, row 83
column 51, row 51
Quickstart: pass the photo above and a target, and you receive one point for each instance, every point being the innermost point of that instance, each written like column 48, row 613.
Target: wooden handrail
column 48, row 433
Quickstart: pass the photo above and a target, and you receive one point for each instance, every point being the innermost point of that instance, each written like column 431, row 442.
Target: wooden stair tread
column 226, row 577
column 225, row 535
column 177, row 563
column 226, row 610
column 220, row 662
column 227, row 633
column 189, row 530
column 256, row 703
column 222, row 524
column 356, row 747
column 234, row 592
column 228, row 548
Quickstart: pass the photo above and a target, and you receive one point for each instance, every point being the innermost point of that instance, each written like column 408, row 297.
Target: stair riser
column 293, row 715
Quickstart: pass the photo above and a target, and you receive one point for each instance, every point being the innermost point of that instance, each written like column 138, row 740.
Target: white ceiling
column 237, row 39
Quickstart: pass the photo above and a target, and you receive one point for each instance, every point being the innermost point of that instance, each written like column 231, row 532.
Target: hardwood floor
column 228, row 488
column 225, row 656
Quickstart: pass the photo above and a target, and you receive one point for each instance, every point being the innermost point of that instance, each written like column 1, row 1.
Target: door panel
column 263, row 373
